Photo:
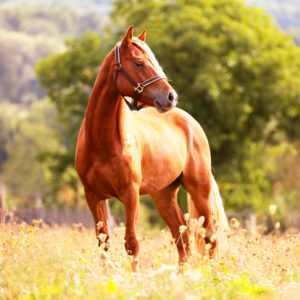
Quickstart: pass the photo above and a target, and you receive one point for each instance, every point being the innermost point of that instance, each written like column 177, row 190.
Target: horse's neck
column 105, row 116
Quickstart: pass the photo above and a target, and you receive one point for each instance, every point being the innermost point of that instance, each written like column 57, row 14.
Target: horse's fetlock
column 132, row 246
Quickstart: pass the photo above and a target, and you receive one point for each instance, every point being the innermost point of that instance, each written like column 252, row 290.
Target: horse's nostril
column 171, row 97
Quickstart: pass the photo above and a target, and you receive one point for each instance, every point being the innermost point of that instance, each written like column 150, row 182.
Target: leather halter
column 138, row 86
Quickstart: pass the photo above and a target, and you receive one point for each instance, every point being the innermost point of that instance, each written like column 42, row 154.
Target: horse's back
column 174, row 122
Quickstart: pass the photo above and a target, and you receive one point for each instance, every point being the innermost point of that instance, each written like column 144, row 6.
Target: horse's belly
column 161, row 169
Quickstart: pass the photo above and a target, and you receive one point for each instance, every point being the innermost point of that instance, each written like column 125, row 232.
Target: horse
column 123, row 154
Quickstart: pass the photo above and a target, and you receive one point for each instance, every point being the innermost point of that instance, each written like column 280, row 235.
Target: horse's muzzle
column 166, row 103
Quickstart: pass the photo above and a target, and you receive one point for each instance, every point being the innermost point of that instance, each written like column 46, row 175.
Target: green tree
column 29, row 33
column 55, row 21
column 68, row 78
column 28, row 134
column 236, row 72
column 8, row 125
column 18, row 55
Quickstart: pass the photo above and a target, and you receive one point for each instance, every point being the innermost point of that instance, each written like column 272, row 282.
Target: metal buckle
column 139, row 88
column 118, row 67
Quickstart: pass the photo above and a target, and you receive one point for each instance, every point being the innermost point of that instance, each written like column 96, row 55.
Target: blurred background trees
column 28, row 134
column 234, row 69
column 237, row 73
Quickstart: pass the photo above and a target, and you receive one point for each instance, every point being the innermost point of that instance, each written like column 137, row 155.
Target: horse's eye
column 139, row 64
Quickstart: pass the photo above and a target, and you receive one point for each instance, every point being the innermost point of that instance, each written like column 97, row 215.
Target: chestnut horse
column 125, row 154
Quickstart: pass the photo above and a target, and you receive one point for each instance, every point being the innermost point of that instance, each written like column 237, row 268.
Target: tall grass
column 38, row 262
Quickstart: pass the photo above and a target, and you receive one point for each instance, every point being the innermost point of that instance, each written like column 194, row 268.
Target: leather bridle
column 138, row 86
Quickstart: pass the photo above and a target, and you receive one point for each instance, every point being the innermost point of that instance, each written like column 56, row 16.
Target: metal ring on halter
column 139, row 88
column 118, row 66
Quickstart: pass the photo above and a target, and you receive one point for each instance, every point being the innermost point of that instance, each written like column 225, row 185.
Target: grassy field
column 38, row 262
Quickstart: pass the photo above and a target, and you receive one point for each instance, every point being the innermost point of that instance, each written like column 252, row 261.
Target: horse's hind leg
column 99, row 211
column 199, row 205
column 166, row 202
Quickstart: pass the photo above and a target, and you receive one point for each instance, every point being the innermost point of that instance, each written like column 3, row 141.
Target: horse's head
column 138, row 74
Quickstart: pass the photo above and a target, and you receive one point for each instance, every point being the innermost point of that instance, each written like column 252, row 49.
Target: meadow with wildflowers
column 60, row 262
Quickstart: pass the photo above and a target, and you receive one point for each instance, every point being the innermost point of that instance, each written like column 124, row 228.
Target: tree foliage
column 235, row 71
column 27, row 134
column 53, row 21
column 68, row 78
column 32, row 33
column 18, row 55
column 29, row 33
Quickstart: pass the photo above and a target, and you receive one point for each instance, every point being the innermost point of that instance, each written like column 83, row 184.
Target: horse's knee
column 132, row 246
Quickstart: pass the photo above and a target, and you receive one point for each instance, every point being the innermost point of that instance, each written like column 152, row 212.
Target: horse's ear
column 128, row 37
column 142, row 36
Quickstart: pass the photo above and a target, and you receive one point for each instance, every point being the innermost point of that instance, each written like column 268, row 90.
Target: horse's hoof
column 106, row 245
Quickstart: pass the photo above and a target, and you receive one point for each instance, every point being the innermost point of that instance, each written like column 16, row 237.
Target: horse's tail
column 218, row 211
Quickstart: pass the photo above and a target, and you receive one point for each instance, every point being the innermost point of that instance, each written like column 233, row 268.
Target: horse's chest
column 110, row 178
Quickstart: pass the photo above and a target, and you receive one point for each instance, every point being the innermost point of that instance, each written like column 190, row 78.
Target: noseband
column 138, row 86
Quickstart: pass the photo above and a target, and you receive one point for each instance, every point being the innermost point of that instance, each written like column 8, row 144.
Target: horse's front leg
column 131, row 205
column 99, row 211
